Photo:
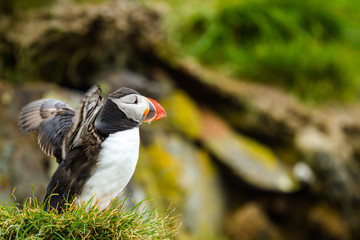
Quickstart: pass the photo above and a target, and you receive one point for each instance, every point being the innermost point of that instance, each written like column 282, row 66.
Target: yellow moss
column 205, row 163
column 183, row 114
column 165, row 170
column 261, row 153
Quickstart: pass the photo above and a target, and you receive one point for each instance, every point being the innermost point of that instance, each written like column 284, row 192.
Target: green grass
column 310, row 48
column 84, row 222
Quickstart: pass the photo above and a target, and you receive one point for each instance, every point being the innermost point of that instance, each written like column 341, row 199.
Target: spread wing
column 51, row 119
column 59, row 127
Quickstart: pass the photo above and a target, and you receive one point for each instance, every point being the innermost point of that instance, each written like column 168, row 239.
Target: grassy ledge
column 83, row 222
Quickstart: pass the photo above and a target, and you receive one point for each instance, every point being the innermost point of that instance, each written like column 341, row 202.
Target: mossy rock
column 248, row 159
column 172, row 170
column 183, row 114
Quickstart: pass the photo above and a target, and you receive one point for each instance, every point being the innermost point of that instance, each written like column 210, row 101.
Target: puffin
column 96, row 145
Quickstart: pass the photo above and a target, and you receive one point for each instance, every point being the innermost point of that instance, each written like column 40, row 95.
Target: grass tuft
column 85, row 222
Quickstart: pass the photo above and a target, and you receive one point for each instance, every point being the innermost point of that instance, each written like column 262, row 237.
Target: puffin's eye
column 136, row 100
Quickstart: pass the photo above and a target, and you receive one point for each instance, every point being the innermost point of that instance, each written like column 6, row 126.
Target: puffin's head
column 137, row 107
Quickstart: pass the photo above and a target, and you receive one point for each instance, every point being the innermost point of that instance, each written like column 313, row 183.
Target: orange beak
column 154, row 111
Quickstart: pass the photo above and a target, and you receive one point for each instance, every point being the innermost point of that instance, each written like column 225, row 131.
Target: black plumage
column 76, row 141
column 71, row 137
column 110, row 117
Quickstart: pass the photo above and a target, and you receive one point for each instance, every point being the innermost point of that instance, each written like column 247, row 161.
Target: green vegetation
column 311, row 48
column 18, row 6
column 14, row 6
column 32, row 222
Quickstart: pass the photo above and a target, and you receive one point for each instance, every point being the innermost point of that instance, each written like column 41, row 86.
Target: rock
column 335, row 180
column 251, row 161
column 303, row 173
column 250, row 223
column 183, row 114
column 22, row 164
column 115, row 79
column 325, row 223
column 321, row 146
column 171, row 170
column 265, row 112
column 346, row 116
column 325, row 135
column 67, row 42
column 250, row 107
column 294, row 132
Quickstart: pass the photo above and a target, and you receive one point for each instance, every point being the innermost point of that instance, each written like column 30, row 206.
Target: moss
column 160, row 171
column 259, row 152
column 183, row 114
column 205, row 164
column 252, row 161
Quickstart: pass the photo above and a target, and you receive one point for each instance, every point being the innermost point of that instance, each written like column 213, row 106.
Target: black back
column 69, row 181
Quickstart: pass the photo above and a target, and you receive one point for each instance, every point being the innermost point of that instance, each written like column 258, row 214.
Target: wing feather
column 60, row 128
column 83, row 124
column 51, row 119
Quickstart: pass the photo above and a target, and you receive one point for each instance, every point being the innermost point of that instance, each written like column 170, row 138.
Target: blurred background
column 262, row 138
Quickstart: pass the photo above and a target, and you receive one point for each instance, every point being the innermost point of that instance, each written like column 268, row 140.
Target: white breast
column 117, row 162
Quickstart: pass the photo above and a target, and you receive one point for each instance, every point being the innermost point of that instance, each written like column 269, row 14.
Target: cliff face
column 237, row 159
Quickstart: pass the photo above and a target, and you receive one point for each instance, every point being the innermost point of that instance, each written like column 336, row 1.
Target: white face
column 133, row 105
